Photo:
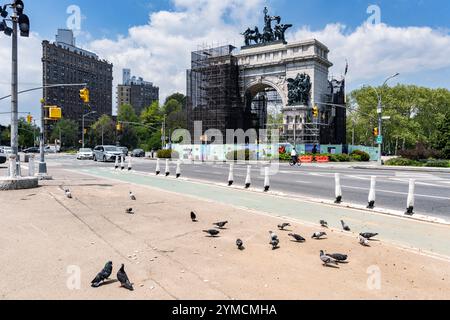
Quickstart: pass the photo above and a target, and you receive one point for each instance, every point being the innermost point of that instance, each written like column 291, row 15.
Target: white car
column 85, row 154
column 2, row 157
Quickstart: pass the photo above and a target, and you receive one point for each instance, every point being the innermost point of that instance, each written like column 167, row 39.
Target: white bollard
column 122, row 163
column 12, row 167
column 248, row 179
column 372, row 192
column 167, row 168
column 231, row 175
column 338, row 188
column 31, row 166
column 158, row 167
column 116, row 165
column 266, row 179
column 130, row 166
column 178, row 173
column 410, row 201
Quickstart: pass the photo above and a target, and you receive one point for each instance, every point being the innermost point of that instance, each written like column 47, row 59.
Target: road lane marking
column 396, row 192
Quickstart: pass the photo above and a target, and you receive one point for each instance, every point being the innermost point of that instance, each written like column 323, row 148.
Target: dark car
column 138, row 153
column 32, row 150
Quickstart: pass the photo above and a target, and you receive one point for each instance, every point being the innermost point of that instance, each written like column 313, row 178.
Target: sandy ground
column 49, row 244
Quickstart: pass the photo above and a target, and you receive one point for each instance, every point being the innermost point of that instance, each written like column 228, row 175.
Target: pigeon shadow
column 107, row 283
column 331, row 266
column 275, row 248
column 319, row 239
column 343, row 262
column 212, row 236
column 298, row 241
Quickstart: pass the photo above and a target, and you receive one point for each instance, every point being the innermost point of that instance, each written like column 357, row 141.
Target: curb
column 8, row 184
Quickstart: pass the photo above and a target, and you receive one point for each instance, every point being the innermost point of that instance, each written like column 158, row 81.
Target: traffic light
column 24, row 25
column 316, row 112
column 375, row 132
column 84, row 95
column 18, row 4
column 29, row 119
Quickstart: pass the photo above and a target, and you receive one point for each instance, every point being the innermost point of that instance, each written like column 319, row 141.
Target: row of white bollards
column 372, row 193
column 248, row 178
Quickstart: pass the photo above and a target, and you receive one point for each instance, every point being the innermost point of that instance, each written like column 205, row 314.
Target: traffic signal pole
column 14, row 92
column 42, row 165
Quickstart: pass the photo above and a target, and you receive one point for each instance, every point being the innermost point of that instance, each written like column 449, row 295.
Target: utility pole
column 42, row 164
column 14, row 90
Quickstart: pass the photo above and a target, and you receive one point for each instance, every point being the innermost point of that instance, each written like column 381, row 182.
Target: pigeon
column 327, row 260
column 68, row 193
column 323, row 223
column 273, row 236
column 275, row 243
column 123, row 279
column 193, row 216
column 284, row 225
column 212, row 232
column 338, row 257
column 297, row 237
column 363, row 241
column 318, row 235
column 240, row 244
column 132, row 196
column 102, row 275
column 220, row 225
column 368, row 235
column 344, row 226
column 129, row 211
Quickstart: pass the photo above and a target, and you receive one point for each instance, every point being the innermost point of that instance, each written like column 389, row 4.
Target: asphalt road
column 432, row 189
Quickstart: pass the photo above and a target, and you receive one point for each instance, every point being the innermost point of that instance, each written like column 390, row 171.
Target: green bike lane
column 429, row 238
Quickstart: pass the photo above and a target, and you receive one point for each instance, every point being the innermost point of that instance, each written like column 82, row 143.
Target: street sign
column 380, row 140
column 386, row 118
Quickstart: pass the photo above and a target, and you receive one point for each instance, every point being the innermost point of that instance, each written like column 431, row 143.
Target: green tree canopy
column 126, row 113
column 103, row 128
column 69, row 133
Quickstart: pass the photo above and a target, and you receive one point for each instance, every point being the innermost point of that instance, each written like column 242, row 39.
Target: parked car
column 138, row 153
column 32, row 150
column 124, row 150
column 2, row 157
column 106, row 153
column 85, row 153
column 51, row 149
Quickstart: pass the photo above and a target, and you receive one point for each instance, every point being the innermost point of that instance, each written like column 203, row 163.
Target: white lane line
column 303, row 182
column 396, row 192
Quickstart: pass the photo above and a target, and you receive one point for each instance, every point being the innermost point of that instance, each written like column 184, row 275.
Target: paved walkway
column 429, row 237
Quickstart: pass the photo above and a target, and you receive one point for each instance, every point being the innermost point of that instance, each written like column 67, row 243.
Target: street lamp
column 82, row 132
column 380, row 117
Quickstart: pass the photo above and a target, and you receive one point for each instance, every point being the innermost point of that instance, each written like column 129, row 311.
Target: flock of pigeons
column 326, row 258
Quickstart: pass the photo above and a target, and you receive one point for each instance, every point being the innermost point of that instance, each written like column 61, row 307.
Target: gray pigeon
column 193, row 216
column 220, row 225
column 275, row 243
column 368, row 235
column 123, row 279
column 129, row 211
column 363, row 241
column 240, row 244
column 318, row 235
column 284, row 225
column 297, row 237
column 323, row 223
column 212, row 232
column 344, row 226
column 327, row 260
column 273, row 236
column 132, row 196
column 338, row 257
column 102, row 275
column 68, row 193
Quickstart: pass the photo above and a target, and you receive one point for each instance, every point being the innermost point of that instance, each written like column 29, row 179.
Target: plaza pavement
column 45, row 238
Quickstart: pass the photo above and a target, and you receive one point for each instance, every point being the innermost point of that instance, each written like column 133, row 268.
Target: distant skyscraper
column 63, row 63
column 136, row 92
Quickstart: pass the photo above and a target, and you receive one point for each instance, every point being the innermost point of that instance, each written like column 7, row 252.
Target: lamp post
column 82, row 131
column 380, row 117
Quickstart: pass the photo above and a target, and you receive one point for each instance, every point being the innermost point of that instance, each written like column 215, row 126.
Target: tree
column 175, row 115
column 128, row 137
column 442, row 139
column 181, row 98
column 103, row 131
column 152, row 116
column 69, row 133
column 126, row 113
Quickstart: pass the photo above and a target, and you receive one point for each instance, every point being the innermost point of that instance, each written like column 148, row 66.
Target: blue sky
column 155, row 37
column 108, row 18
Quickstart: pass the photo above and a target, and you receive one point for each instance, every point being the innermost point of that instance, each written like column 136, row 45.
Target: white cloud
column 160, row 50
column 379, row 50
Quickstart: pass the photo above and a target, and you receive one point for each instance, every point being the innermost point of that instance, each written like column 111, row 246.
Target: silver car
column 106, row 153
column 85, row 153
